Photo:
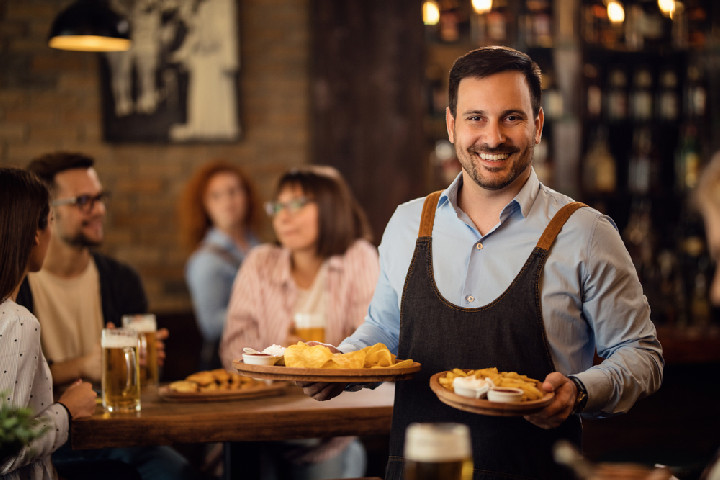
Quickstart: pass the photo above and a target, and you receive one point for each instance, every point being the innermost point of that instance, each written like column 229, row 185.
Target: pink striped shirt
column 260, row 312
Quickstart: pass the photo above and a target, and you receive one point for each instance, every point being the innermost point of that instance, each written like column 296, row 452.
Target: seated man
column 78, row 292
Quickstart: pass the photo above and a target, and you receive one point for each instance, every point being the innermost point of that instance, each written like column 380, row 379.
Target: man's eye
column 82, row 200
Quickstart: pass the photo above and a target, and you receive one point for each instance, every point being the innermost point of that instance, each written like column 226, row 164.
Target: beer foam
column 141, row 323
column 437, row 442
column 119, row 341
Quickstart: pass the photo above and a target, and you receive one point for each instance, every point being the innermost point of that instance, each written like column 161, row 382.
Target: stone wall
column 50, row 100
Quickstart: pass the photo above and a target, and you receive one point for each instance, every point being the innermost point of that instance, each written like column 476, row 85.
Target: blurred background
column 632, row 103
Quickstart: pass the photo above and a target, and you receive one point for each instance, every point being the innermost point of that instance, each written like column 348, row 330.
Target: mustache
column 500, row 149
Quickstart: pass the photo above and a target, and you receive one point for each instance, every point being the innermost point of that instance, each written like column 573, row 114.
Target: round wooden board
column 486, row 407
column 165, row 393
column 330, row 375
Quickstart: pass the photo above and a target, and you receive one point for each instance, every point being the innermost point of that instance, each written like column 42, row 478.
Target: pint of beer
column 435, row 451
column 310, row 326
column 146, row 327
column 120, row 374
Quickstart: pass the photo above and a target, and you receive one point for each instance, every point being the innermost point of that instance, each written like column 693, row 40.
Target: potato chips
column 528, row 385
column 301, row 355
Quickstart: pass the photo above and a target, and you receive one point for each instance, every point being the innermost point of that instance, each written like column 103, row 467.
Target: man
column 78, row 292
column 493, row 282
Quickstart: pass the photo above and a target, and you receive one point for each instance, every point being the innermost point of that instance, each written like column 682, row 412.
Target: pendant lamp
column 90, row 26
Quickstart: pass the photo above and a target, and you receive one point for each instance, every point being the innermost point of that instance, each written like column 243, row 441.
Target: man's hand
column 561, row 406
column 322, row 391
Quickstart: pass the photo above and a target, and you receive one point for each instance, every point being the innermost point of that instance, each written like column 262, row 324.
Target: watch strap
column 582, row 395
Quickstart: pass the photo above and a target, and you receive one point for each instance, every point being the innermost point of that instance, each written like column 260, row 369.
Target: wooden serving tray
column 486, row 407
column 165, row 393
column 330, row 375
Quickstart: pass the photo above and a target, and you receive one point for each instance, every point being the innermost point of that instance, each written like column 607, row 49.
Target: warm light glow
column 89, row 43
column 667, row 7
column 482, row 6
column 431, row 13
column 616, row 12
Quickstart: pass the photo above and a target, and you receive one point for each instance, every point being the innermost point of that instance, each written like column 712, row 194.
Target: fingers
column 322, row 391
column 562, row 404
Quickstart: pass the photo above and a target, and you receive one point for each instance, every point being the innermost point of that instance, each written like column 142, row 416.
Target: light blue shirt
column 591, row 296
column 210, row 277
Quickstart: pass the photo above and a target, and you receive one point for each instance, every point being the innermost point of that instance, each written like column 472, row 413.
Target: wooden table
column 293, row 415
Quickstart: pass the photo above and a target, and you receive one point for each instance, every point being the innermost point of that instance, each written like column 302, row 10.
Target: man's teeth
column 494, row 156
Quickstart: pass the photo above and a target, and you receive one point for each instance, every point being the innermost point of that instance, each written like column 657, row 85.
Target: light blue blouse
column 210, row 277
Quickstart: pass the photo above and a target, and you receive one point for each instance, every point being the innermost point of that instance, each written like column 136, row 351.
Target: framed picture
column 179, row 80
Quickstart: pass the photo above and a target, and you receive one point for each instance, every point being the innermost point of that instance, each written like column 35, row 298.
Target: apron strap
column 553, row 229
column 427, row 219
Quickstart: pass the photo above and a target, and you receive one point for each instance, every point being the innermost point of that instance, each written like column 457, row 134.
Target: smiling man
column 499, row 270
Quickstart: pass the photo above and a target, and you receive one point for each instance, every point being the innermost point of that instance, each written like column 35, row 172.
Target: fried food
column 529, row 386
column 214, row 380
column 301, row 355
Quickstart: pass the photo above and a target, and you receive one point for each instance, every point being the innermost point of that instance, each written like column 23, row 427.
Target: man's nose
column 493, row 134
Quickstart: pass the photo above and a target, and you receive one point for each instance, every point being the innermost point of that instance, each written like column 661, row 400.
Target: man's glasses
column 292, row 206
column 84, row 202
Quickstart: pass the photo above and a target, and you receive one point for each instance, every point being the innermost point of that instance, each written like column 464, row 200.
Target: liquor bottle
column 642, row 99
column 695, row 100
column 687, row 160
column 667, row 104
column 617, row 102
column 594, row 96
column 642, row 166
column 599, row 174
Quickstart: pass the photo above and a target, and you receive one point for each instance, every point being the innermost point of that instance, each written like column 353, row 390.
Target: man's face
column 76, row 226
column 495, row 130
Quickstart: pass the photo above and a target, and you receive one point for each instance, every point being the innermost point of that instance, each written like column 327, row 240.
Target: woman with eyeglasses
column 219, row 218
column 324, row 268
column 25, row 377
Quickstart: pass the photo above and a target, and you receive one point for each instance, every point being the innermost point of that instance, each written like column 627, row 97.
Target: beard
column 78, row 238
column 468, row 156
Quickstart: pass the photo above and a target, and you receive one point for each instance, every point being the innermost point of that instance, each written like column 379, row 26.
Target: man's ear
column 450, row 122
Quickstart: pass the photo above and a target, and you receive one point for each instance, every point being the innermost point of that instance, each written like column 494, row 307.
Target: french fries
column 528, row 385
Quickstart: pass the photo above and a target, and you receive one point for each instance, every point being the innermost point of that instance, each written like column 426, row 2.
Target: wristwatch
column 581, row 397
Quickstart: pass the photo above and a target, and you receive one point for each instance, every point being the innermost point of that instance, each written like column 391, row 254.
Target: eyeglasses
column 84, row 202
column 292, row 206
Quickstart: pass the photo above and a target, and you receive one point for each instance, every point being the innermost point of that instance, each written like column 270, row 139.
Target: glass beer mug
column 438, row 451
column 310, row 326
column 146, row 327
column 120, row 372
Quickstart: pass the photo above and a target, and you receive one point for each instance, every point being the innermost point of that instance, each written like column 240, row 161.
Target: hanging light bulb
column 667, row 7
column 482, row 6
column 616, row 12
column 430, row 12
column 91, row 26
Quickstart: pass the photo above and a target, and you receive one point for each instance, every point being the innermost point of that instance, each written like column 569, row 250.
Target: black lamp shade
column 90, row 25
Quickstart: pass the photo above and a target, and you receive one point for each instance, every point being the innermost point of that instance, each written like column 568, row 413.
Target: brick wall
column 49, row 100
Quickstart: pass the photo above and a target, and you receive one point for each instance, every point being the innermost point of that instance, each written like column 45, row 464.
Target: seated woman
column 25, row 228
column 323, row 268
column 219, row 217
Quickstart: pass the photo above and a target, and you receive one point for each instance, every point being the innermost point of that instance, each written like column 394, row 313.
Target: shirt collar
column 523, row 201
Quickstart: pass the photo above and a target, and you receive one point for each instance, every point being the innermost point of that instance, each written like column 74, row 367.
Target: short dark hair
column 486, row 61
column 47, row 166
column 341, row 220
column 24, row 208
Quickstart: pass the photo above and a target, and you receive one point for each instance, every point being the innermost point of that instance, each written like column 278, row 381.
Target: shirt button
column 470, row 298
column 479, row 246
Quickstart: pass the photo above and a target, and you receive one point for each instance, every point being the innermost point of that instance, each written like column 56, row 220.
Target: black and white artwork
column 179, row 80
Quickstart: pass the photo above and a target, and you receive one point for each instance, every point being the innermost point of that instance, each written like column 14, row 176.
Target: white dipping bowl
column 505, row 394
column 470, row 386
column 259, row 359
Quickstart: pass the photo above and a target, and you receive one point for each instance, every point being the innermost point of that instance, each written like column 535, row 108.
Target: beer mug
column 120, row 372
column 435, row 451
column 146, row 327
column 310, row 326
